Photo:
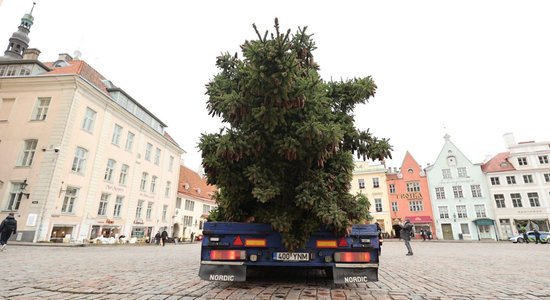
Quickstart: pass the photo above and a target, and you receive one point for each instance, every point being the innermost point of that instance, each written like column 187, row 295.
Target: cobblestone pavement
column 438, row 270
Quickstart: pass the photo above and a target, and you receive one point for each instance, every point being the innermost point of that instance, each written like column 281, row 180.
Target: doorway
column 484, row 232
column 447, row 231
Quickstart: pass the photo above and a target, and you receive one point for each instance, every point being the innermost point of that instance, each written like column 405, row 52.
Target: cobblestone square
column 438, row 270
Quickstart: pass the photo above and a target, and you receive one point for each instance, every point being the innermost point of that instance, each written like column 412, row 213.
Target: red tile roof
column 499, row 163
column 192, row 184
column 81, row 68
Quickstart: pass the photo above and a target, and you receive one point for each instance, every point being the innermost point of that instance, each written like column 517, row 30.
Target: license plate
column 290, row 256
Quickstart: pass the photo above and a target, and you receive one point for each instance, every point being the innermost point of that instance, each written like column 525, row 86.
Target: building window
column 118, row 206
column 167, row 190
column 178, row 202
column 511, row 179
column 27, row 156
column 392, row 188
column 416, row 206
column 109, row 170
column 447, row 173
column 516, row 200
column 5, row 108
column 465, row 228
column 495, row 181
column 543, row 159
column 164, row 212
column 148, row 150
column 394, row 206
column 102, row 209
column 206, row 209
column 41, row 110
column 375, row 182
column 153, row 183
column 123, row 174
column 413, row 186
column 89, row 119
column 528, row 178
column 79, row 161
column 15, row 196
column 440, row 193
column 547, row 177
column 171, row 163
column 143, row 184
column 361, row 182
column 117, row 132
column 462, row 172
column 187, row 221
column 129, row 141
column 378, row 204
column 499, row 200
column 157, row 156
column 70, row 198
column 533, row 199
column 480, row 211
column 149, row 211
column 522, row 161
column 457, row 191
column 443, row 212
column 189, row 205
column 139, row 208
column 461, row 212
column 476, row 191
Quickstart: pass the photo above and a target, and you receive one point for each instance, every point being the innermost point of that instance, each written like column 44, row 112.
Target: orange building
column 409, row 197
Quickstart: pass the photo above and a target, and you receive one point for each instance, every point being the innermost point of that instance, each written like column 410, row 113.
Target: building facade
column 81, row 158
column 460, row 198
column 193, row 204
column 519, row 185
column 409, row 197
column 370, row 180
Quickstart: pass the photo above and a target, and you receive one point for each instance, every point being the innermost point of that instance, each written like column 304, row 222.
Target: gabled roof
column 499, row 163
column 80, row 67
column 192, row 184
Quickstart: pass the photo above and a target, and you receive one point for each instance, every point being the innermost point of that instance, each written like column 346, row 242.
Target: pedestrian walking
column 406, row 232
column 164, row 236
column 423, row 234
column 525, row 236
column 537, row 236
column 157, row 238
column 429, row 234
column 192, row 236
column 7, row 228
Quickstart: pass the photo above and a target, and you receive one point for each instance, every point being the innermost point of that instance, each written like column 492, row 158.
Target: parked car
column 544, row 237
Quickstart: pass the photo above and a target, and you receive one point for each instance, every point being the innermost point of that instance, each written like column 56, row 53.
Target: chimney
column 31, row 54
column 65, row 57
column 509, row 140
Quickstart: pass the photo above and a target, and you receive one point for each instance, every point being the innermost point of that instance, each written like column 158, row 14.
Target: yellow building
column 370, row 180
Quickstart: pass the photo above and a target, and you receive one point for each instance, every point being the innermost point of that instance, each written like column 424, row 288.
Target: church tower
column 19, row 40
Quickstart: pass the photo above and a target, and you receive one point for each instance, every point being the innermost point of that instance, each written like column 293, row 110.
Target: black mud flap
column 354, row 275
column 222, row 272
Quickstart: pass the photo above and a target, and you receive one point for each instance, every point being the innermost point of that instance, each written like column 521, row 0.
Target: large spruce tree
column 285, row 157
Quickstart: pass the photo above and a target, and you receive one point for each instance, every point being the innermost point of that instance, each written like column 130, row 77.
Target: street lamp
column 22, row 186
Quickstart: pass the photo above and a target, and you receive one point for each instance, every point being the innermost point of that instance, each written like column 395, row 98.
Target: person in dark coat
column 525, row 236
column 406, row 232
column 7, row 228
column 157, row 238
column 537, row 236
column 164, row 236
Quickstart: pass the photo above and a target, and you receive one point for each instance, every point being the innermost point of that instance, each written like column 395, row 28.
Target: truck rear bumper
column 355, row 274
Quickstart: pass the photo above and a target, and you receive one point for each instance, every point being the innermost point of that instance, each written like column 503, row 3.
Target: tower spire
column 19, row 41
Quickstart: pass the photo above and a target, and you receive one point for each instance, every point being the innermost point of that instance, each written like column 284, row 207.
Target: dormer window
column 60, row 64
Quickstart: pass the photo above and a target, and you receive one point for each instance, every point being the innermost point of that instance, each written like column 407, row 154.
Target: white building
column 459, row 196
column 519, row 184
column 193, row 204
column 80, row 157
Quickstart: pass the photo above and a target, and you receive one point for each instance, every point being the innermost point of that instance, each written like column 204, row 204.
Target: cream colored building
column 193, row 205
column 80, row 158
column 370, row 180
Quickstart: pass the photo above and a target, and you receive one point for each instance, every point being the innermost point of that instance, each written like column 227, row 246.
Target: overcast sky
column 472, row 69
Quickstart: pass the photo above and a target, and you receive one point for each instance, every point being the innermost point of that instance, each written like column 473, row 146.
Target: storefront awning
column 484, row 221
column 420, row 219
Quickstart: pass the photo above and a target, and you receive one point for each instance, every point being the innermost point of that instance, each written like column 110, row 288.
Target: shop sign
column 416, row 195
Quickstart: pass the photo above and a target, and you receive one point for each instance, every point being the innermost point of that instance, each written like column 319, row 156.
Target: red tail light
column 227, row 255
column 342, row 242
column 237, row 241
column 351, row 257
